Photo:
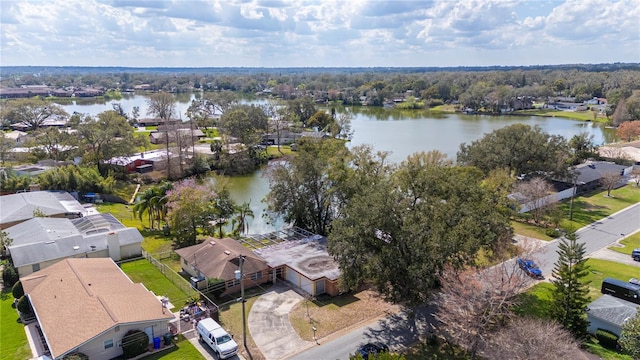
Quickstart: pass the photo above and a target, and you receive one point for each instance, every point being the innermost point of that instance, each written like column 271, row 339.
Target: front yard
column 537, row 301
column 329, row 315
column 629, row 243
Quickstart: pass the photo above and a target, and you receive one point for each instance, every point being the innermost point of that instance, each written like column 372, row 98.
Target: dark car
column 371, row 349
column 635, row 254
column 530, row 267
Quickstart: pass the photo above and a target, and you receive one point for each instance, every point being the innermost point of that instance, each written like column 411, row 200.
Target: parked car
column 211, row 333
column 530, row 268
column 371, row 349
column 635, row 254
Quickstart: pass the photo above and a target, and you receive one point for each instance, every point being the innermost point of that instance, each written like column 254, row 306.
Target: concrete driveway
column 270, row 326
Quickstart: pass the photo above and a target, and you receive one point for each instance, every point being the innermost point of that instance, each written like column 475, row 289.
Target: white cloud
column 317, row 32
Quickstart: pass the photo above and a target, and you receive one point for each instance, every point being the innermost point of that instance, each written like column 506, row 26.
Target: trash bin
column 156, row 343
column 167, row 339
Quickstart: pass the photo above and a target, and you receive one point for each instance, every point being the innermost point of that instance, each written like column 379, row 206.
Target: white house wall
column 597, row 323
column 555, row 197
column 95, row 348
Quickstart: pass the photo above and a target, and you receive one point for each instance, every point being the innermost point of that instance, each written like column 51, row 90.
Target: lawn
column 597, row 205
column 575, row 115
column 183, row 350
column 630, row 242
column 141, row 271
column 231, row 320
column 329, row 315
column 530, row 231
column 536, row 301
column 12, row 335
column 154, row 242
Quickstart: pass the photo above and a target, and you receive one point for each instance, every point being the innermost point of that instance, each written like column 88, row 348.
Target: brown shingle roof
column 87, row 297
column 218, row 258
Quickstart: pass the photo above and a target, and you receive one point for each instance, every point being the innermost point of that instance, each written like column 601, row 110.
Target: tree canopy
column 400, row 226
column 32, row 111
column 520, row 148
column 304, row 190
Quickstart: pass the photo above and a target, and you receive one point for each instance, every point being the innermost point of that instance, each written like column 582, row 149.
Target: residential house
column 88, row 305
column 20, row 207
column 159, row 137
column 157, row 121
column 142, row 162
column 609, row 313
column 41, row 242
column 587, row 177
column 17, row 136
column 218, row 259
column 304, row 263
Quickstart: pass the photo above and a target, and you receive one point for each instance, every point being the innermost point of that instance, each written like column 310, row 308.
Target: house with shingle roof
column 20, row 207
column 609, row 313
column 88, row 305
column 218, row 259
column 42, row 242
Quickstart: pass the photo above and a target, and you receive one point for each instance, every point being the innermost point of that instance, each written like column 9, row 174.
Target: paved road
column 399, row 332
column 597, row 235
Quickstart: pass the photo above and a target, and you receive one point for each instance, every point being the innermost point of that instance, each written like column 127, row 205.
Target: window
column 108, row 344
column 35, row 267
column 184, row 261
column 232, row 283
column 256, row 276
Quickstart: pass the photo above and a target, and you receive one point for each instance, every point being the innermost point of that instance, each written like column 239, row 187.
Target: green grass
column 596, row 205
column 272, row 150
column 141, row 271
column 630, row 242
column 575, row 115
column 183, row 350
column 593, row 347
column 530, row 231
column 536, row 301
column 12, row 335
column 600, row 269
column 154, row 240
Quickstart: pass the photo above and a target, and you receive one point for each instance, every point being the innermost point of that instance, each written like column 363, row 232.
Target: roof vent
column 227, row 252
column 212, row 242
column 76, row 247
column 50, row 242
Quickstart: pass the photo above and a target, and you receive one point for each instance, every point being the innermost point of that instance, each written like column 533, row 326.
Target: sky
column 326, row 33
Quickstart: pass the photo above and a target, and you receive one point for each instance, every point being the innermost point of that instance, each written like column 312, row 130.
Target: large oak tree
column 400, row 227
column 520, row 148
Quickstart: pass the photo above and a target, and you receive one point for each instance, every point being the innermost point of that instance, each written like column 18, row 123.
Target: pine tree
column 570, row 293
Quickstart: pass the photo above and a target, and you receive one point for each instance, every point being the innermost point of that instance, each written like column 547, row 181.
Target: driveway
column 269, row 323
column 607, row 254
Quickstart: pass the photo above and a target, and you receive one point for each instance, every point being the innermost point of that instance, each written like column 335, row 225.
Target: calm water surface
column 400, row 132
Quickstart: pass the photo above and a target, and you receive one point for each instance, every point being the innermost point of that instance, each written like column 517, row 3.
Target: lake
column 401, row 132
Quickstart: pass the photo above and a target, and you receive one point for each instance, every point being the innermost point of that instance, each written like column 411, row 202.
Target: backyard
column 12, row 335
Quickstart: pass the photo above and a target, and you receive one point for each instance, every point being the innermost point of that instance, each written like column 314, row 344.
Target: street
column 398, row 332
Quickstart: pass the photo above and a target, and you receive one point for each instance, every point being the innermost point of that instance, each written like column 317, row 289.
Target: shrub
column 76, row 356
column 134, row 343
column 24, row 306
column 607, row 339
column 9, row 275
column 17, row 290
column 554, row 233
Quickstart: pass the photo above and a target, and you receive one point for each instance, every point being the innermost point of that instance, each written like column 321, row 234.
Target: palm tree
column 242, row 212
column 153, row 201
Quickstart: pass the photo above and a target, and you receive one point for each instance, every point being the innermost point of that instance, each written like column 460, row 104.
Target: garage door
column 306, row 285
column 292, row 276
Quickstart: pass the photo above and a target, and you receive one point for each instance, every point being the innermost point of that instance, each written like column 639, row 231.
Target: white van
column 217, row 338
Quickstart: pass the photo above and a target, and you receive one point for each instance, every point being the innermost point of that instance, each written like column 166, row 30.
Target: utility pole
column 240, row 276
